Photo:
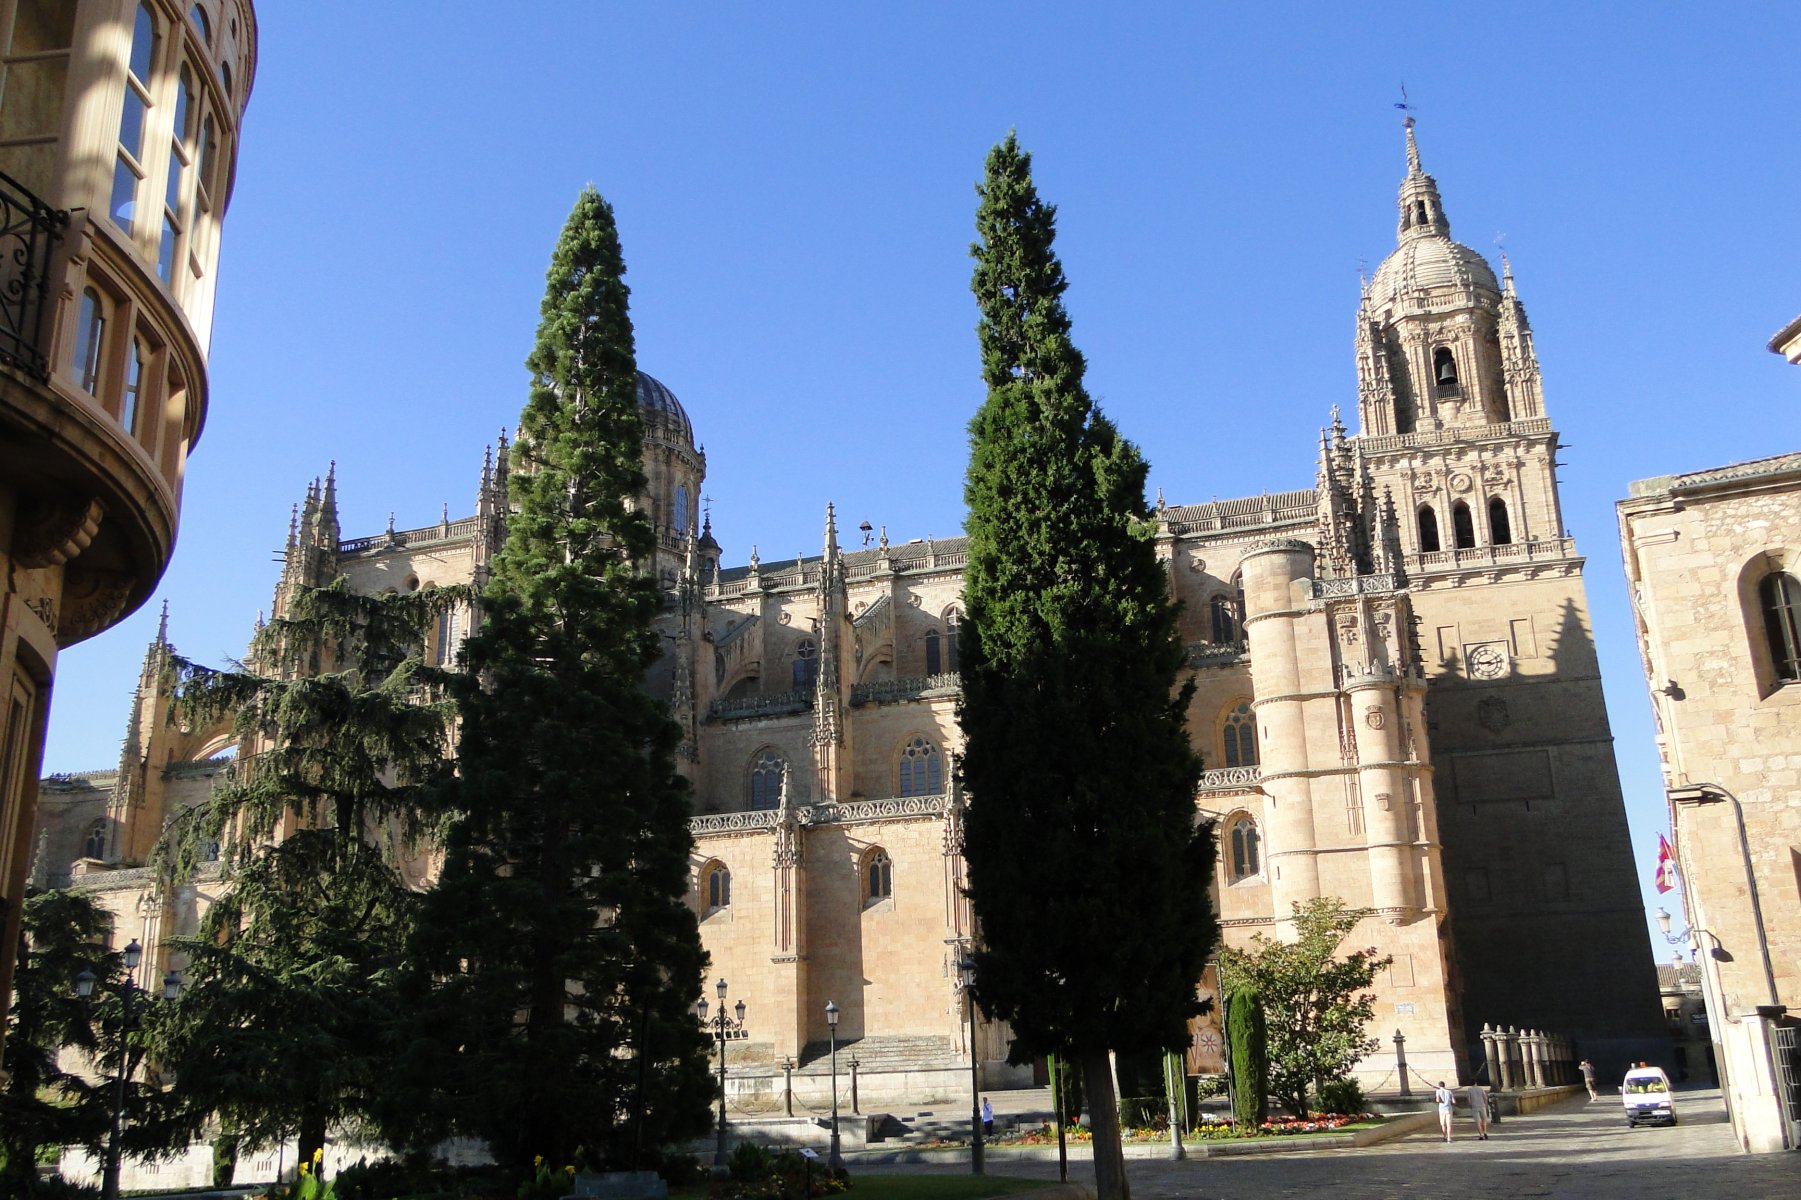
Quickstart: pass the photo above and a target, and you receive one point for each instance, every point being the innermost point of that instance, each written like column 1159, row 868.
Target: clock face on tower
column 1488, row 661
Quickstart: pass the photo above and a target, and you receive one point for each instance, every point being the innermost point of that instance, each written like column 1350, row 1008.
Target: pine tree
column 43, row 1103
column 1087, row 870
column 287, row 1021
column 568, row 957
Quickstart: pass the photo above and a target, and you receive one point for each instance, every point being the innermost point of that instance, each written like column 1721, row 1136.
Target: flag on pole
column 1666, row 865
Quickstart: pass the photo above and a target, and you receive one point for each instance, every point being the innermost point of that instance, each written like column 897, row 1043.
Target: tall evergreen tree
column 567, row 955
column 43, row 1103
column 1087, row 870
column 286, row 1025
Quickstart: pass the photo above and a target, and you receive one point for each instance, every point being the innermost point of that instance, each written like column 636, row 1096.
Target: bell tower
column 1449, row 398
column 1523, row 786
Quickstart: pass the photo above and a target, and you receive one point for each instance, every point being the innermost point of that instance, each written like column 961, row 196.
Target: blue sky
column 794, row 188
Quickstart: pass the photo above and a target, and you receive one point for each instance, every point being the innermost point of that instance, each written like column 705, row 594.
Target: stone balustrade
column 1519, row 1060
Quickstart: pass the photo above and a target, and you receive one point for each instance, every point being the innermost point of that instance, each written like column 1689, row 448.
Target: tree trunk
column 1103, row 1108
column 310, row 1136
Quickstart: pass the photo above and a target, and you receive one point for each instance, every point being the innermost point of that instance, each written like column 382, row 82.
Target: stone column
column 1505, row 1039
column 1274, row 575
column 1401, row 1062
column 1535, row 1057
column 1382, row 780
column 1491, row 1053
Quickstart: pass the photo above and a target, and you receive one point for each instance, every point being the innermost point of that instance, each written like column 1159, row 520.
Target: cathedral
column 1398, row 703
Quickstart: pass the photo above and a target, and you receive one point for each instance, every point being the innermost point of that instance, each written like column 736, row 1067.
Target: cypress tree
column 1087, row 869
column 567, row 957
column 1248, row 1038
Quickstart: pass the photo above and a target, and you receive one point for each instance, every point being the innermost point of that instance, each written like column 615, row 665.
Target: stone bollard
column 1491, row 1053
column 1401, row 1062
column 1536, row 1048
column 1506, row 1040
column 788, row 1085
column 854, row 1064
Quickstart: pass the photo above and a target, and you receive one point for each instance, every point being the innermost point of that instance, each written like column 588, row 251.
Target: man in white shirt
column 1446, row 1100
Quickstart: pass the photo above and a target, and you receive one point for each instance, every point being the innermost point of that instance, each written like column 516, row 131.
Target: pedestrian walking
column 1588, row 1077
column 1478, row 1098
column 987, row 1117
column 1447, row 1101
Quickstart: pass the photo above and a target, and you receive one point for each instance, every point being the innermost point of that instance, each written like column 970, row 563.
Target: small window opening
column 1444, row 367
column 1780, row 595
column 1247, row 857
column 1428, row 530
column 1463, row 525
column 1240, row 737
column 878, row 875
column 1500, row 529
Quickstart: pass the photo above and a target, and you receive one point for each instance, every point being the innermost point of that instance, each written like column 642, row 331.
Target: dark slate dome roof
column 662, row 412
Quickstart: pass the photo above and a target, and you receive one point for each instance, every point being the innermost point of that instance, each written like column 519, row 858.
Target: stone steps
column 877, row 1055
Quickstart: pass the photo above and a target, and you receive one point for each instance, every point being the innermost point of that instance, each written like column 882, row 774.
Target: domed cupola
column 664, row 417
column 1428, row 347
column 674, row 469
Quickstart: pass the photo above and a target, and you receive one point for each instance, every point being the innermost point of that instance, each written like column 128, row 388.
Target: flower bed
column 1046, row 1135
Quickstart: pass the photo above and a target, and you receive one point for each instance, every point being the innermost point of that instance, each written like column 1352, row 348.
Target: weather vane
column 1405, row 105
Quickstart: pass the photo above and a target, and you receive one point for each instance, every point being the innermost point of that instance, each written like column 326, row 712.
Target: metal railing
column 28, row 229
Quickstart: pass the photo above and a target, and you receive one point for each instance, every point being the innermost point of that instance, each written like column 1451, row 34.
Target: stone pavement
column 1578, row 1150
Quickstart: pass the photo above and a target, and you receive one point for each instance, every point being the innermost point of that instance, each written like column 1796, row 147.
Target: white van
column 1646, row 1094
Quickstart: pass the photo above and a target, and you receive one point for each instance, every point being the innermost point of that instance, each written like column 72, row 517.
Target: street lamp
column 724, row 1029
column 967, row 970
column 131, row 956
column 834, row 1160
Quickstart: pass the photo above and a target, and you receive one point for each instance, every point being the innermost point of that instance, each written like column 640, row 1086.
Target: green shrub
column 1144, row 1112
column 749, row 1162
column 1342, row 1096
column 1248, row 1039
column 225, row 1159
column 1208, row 1086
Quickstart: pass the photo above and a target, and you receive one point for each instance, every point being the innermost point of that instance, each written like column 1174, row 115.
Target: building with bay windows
column 1397, row 700
column 118, row 134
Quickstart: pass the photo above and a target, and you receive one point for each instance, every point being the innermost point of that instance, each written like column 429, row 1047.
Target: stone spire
column 828, row 720
column 1519, row 360
column 1422, row 212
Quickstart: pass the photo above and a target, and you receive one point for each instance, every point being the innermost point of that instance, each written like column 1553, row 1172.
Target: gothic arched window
column 1779, row 595
column 1225, row 619
column 95, row 844
column 934, row 660
column 1239, row 732
column 921, row 770
column 678, row 518
column 1463, row 526
column 766, row 775
column 953, row 621
column 1244, row 849
column 1428, row 530
column 878, row 876
column 1500, row 529
column 716, row 885
column 806, row 665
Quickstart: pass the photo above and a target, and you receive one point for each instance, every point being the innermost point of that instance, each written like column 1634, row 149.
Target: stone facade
column 1712, row 558
column 118, row 132
column 1396, row 699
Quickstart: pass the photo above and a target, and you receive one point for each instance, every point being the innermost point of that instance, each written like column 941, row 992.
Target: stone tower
column 1455, row 435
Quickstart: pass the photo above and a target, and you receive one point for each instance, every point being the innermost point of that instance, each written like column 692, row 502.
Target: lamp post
column 724, row 1029
column 131, row 956
column 967, row 968
column 834, row 1160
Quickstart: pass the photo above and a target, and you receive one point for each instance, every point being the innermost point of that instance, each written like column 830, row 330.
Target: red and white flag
column 1666, row 865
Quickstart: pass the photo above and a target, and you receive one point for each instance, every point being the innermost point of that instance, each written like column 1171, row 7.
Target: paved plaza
column 1580, row 1149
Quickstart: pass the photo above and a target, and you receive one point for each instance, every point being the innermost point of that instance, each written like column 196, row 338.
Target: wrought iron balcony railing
column 28, row 229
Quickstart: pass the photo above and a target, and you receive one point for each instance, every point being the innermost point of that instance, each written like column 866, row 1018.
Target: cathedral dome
column 1431, row 264
column 663, row 414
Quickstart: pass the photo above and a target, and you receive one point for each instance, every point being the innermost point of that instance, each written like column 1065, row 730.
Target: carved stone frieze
column 53, row 530
column 92, row 601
